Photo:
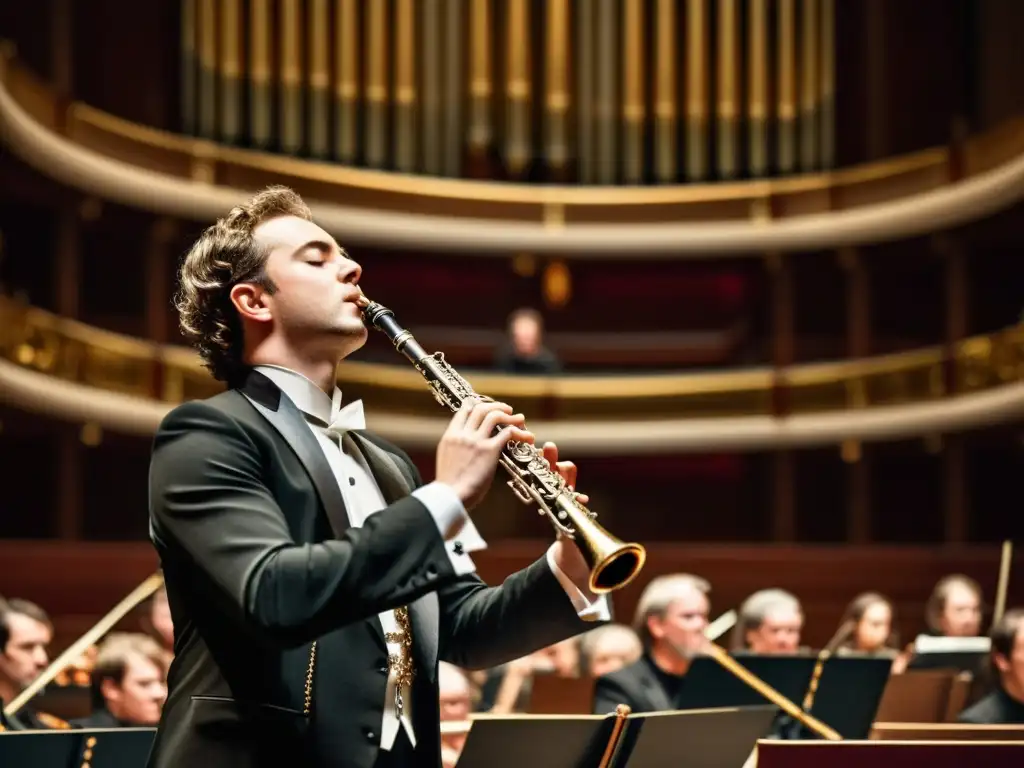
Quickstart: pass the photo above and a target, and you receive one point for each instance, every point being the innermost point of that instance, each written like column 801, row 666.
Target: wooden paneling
column 77, row 583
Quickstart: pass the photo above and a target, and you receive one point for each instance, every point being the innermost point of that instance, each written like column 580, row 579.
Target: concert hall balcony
column 774, row 245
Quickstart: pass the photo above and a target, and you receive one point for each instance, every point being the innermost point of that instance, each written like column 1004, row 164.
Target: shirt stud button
column 351, row 481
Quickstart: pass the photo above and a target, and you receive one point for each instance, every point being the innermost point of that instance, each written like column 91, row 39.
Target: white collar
column 306, row 395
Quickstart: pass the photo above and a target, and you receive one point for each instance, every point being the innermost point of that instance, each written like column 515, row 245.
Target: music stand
column 98, row 748
column 537, row 741
column 964, row 654
column 708, row 685
column 849, row 691
column 708, row 738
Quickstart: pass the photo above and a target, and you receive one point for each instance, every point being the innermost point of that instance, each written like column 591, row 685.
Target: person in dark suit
column 129, row 683
column 1005, row 704
column 314, row 581
column 670, row 619
column 25, row 636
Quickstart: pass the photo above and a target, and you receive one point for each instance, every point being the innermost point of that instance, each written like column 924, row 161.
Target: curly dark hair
column 224, row 255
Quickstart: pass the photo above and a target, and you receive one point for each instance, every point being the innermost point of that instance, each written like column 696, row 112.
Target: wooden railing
column 74, row 371
column 75, row 580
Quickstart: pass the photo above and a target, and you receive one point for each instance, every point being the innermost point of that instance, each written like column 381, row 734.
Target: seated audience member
column 524, row 352
column 670, row 620
column 770, row 622
column 1005, row 705
column 456, row 704
column 609, row 648
column 25, row 635
column 954, row 609
column 129, row 683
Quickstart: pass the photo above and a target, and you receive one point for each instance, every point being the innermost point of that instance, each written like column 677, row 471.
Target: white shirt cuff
column 589, row 606
column 453, row 523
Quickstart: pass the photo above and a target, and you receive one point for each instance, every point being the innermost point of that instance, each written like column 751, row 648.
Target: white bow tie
column 348, row 418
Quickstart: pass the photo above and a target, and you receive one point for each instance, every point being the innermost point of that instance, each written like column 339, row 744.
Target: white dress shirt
column 363, row 498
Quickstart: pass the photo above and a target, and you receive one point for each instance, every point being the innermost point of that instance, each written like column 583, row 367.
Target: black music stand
column 99, row 748
column 709, row 685
column 537, row 741
column 698, row 738
column 849, row 691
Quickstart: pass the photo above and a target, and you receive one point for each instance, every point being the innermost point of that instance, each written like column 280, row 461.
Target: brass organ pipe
column 696, row 90
column 786, row 112
column 260, row 111
column 728, row 88
column 319, row 77
column 230, row 100
column 827, row 81
column 430, row 97
column 517, row 86
column 585, row 90
column 454, row 129
column 480, row 128
column 809, row 87
column 207, row 117
column 405, row 86
column 375, row 51
column 633, row 92
column 605, row 106
column 665, row 92
column 757, row 102
column 346, row 82
column 189, row 68
column 557, row 76
column 290, row 78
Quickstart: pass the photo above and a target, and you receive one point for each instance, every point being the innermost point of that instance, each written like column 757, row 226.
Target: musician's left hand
column 564, row 468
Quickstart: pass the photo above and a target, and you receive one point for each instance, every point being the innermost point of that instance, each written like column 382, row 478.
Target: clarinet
column 613, row 564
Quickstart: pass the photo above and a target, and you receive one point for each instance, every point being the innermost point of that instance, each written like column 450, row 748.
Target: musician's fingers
column 582, row 498
column 550, row 454
column 568, row 471
column 459, row 419
column 484, row 409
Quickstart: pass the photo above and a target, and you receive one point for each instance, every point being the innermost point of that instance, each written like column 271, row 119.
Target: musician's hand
column 469, row 449
column 564, row 468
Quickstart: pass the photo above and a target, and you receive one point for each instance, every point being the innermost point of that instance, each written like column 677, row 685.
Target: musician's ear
column 656, row 627
column 1002, row 663
column 111, row 690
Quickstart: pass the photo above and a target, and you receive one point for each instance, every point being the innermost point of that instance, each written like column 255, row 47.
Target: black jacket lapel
column 289, row 422
column 395, row 484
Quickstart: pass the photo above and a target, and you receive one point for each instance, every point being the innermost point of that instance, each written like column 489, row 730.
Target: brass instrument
column 613, row 563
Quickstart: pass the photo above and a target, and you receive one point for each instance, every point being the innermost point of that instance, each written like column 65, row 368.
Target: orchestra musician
column 1005, row 704
column 954, row 608
column 314, row 581
column 25, row 635
column 770, row 621
column 129, row 683
column 671, row 617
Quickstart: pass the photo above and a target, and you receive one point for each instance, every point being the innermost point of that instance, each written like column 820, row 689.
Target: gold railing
column 42, row 342
column 558, row 84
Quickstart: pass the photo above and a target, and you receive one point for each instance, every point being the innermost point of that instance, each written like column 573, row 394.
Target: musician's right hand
column 468, row 452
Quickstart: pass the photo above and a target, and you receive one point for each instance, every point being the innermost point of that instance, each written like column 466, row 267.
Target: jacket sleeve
column 211, row 510
column 483, row 626
column 608, row 694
